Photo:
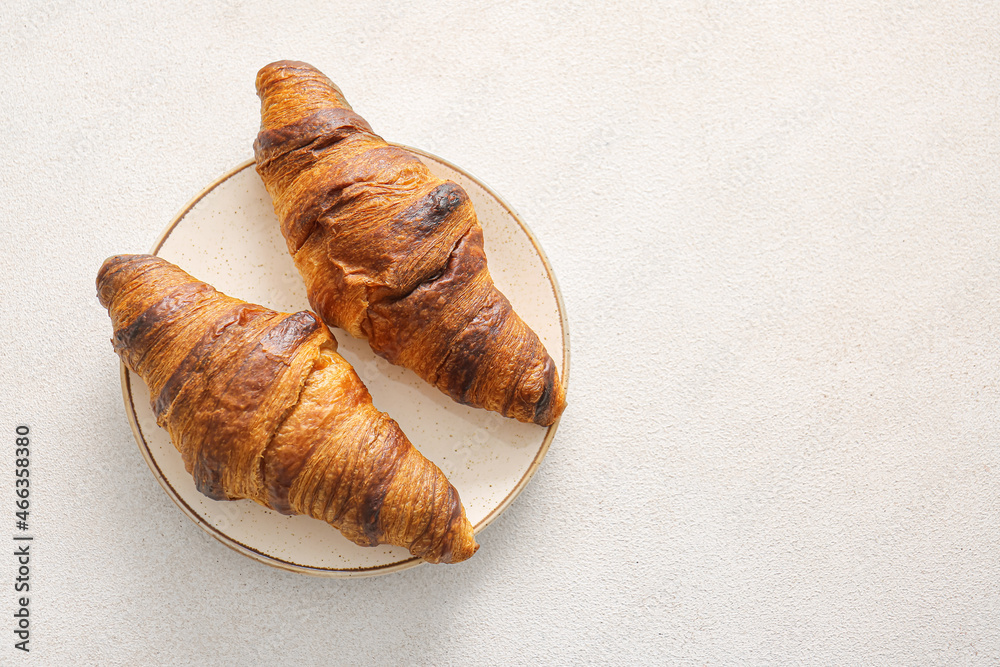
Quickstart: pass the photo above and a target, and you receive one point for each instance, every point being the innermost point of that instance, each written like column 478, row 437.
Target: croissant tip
column 287, row 63
column 117, row 259
column 111, row 266
column 554, row 414
column 267, row 71
column 463, row 553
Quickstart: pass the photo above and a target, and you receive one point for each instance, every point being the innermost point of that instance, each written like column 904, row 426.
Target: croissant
column 391, row 253
column 260, row 406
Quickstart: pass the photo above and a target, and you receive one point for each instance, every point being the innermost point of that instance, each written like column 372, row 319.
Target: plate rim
column 367, row 571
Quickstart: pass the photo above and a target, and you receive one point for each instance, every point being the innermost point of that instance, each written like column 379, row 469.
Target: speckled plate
column 229, row 237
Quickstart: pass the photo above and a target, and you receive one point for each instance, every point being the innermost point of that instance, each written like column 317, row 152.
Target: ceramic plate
column 229, row 237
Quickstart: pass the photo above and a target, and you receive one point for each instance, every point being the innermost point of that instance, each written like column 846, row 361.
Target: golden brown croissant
column 392, row 253
column 261, row 406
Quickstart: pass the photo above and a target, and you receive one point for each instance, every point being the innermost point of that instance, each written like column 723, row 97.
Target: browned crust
column 261, row 406
column 391, row 253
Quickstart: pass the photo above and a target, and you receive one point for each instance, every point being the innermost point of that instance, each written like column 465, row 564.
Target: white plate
column 229, row 237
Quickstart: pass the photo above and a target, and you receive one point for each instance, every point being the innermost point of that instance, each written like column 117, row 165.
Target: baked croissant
column 261, row 406
column 391, row 253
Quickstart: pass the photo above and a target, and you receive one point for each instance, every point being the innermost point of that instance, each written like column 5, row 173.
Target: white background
column 776, row 230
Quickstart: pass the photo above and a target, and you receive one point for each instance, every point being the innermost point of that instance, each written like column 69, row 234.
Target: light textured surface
column 776, row 230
